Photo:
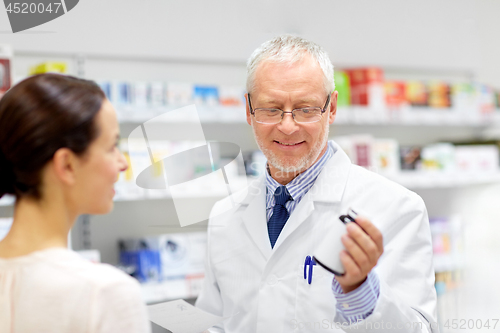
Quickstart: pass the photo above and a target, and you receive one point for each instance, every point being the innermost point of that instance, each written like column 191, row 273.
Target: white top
column 55, row 290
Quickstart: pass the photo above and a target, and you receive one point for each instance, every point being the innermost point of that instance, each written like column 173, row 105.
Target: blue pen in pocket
column 309, row 262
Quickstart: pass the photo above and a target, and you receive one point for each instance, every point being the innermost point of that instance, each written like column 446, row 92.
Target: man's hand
column 364, row 245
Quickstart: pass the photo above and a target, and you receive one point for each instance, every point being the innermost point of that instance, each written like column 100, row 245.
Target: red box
column 367, row 86
column 395, row 94
column 5, row 80
column 5, row 68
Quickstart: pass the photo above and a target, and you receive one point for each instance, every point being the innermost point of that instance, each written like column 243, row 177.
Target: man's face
column 290, row 146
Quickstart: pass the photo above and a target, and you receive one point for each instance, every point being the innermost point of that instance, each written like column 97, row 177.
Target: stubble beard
column 291, row 167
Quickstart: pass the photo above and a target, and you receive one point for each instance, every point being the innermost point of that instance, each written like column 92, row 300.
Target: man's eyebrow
column 267, row 101
column 308, row 100
column 273, row 101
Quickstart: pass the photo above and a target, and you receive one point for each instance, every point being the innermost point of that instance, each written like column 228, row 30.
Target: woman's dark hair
column 38, row 116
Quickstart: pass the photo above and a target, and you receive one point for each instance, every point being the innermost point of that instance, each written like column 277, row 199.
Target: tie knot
column 281, row 195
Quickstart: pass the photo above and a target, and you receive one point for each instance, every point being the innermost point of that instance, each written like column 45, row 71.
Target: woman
column 59, row 157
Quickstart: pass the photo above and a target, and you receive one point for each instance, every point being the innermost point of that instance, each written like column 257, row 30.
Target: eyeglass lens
column 273, row 116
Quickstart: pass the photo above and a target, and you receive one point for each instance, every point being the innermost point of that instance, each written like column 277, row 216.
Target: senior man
column 257, row 250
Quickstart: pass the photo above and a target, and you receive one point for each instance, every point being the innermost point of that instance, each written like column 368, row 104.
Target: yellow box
column 49, row 67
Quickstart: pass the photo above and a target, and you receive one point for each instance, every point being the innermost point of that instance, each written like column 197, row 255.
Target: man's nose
column 288, row 125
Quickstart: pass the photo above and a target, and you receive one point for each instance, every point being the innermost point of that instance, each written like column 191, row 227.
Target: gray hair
column 288, row 48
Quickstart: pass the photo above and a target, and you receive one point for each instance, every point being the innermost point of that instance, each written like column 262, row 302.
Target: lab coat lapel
column 328, row 187
column 299, row 215
column 254, row 217
column 331, row 182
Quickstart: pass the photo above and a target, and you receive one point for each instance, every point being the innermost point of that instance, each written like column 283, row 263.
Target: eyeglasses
column 301, row 115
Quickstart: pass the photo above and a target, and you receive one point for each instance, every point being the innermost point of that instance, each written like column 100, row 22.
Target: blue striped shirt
column 298, row 187
column 357, row 304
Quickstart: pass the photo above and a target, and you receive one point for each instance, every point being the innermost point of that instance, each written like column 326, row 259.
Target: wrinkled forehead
column 303, row 70
column 293, row 70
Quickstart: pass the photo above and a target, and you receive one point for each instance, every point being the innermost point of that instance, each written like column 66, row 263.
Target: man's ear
column 333, row 107
column 65, row 163
column 249, row 116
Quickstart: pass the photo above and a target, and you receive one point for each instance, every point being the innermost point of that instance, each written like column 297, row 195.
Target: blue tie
column 280, row 214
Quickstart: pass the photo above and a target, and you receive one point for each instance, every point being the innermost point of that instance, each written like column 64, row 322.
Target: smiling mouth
column 288, row 143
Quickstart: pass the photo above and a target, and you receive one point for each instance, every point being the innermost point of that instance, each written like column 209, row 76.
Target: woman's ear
column 65, row 164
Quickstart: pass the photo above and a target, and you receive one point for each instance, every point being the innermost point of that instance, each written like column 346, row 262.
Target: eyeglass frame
column 252, row 111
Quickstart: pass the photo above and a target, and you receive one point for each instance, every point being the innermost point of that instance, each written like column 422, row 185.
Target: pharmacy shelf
column 156, row 292
column 408, row 179
column 208, row 114
column 437, row 179
column 411, row 116
column 354, row 115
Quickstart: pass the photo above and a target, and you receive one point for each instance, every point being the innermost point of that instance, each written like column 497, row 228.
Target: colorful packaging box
column 5, row 68
column 367, row 86
column 121, row 93
column 439, row 94
column 165, row 257
column 410, row 157
column 206, row 95
column 441, row 235
column 416, row 93
column 379, row 155
column 395, row 94
column 358, row 147
column 485, row 98
column 462, row 96
column 342, row 86
column 386, row 156
column 439, row 157
column 146, row 262
column 231, row 96
column 49, row 67
column 477, row 159
column 447, row 243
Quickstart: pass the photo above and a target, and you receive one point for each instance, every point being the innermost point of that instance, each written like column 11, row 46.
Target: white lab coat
column 260, row 289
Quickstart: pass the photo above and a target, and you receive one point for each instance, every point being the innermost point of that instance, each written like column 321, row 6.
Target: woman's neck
column 37, row 225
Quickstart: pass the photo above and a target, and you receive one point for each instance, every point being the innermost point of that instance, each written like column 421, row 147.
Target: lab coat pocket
column 315, row 302
column 231, row 274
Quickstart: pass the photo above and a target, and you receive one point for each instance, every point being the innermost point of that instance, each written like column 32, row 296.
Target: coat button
column 272, row 280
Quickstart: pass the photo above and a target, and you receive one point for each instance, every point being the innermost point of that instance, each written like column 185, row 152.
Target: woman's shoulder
column 69, row 264
column 61, row 282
